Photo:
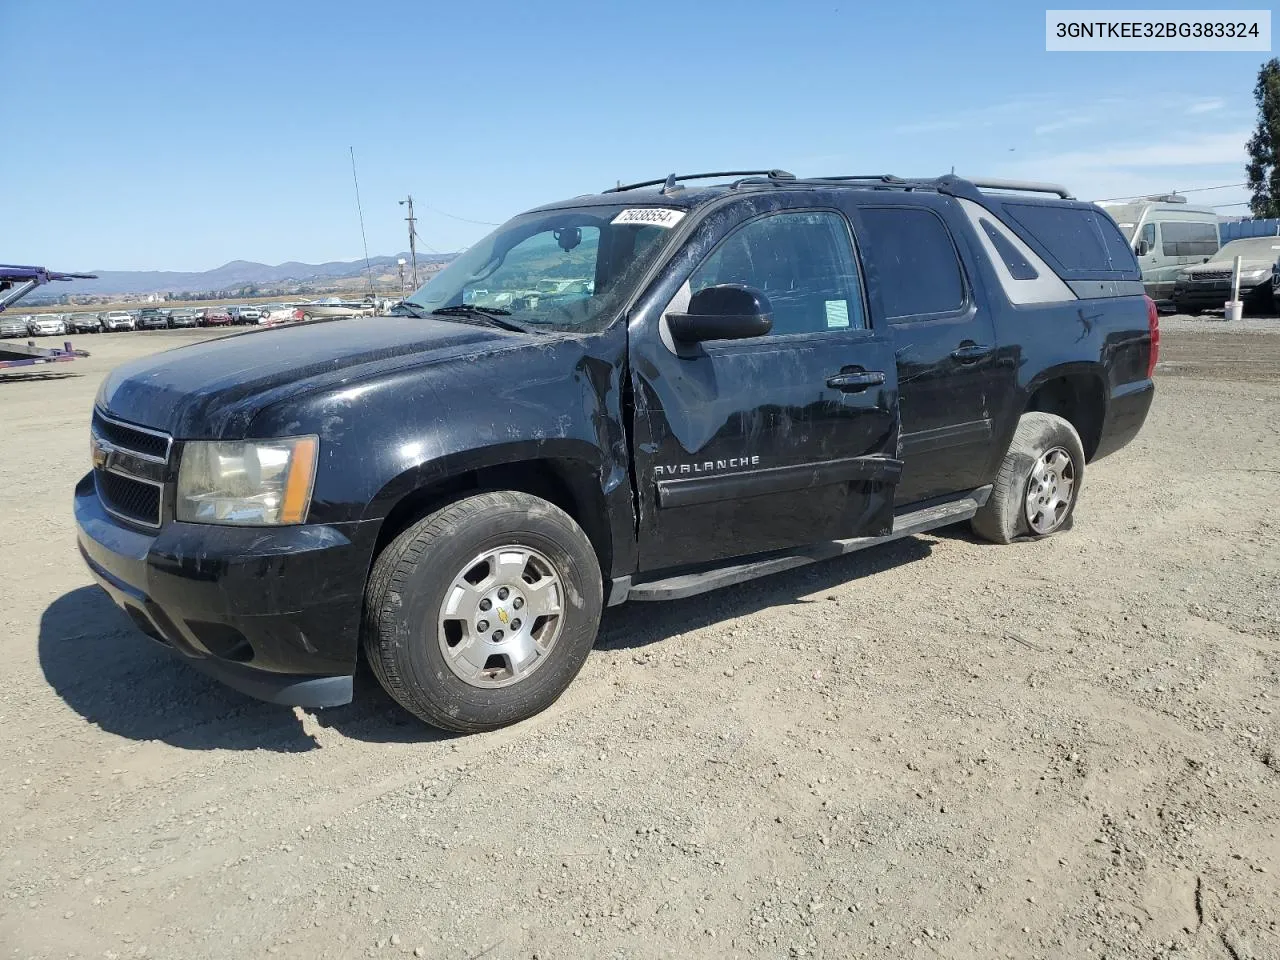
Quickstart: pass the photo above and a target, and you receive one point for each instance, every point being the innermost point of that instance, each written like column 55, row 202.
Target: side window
column 1020, row 267
column 1180, row 238
column 804, row 264
column 1147, row 239
column 916, row 261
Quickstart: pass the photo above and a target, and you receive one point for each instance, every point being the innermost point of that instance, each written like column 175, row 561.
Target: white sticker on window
column 837, row 314
column 650, row 217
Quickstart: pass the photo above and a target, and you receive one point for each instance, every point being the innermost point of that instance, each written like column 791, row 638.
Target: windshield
column 1255, row 248
column 561, row 269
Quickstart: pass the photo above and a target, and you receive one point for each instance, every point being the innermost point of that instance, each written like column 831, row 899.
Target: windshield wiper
column 411, row 310
column 494, row 316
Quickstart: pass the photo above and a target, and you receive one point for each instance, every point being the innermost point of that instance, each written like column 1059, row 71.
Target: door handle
column 971, row 352
column 855, row 380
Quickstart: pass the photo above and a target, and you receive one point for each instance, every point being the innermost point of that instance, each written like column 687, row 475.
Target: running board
column 917, row 520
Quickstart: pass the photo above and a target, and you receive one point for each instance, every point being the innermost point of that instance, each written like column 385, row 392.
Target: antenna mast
column 368, row 271
column 413, row 234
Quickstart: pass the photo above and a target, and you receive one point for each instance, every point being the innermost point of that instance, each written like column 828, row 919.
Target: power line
column 483, row 223
column 430, row 249
column 1225, row 186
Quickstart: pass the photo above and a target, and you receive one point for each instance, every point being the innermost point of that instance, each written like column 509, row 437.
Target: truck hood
column 213, row 390
column 1247, row 264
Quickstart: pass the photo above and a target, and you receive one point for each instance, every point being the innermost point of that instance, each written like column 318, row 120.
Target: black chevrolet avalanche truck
column 641, row 394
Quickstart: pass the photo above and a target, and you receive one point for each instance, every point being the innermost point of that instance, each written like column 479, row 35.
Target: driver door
column 754, row 445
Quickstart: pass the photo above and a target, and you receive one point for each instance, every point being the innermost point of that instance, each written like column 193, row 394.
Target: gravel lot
column 941, row 748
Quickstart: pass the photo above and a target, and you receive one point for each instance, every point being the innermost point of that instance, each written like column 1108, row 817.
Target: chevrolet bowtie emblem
column 502, row 615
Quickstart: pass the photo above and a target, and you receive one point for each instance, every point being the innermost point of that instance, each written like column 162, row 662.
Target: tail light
column 1153, row 326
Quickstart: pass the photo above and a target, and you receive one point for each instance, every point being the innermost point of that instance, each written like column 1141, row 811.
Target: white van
column 1167, row 236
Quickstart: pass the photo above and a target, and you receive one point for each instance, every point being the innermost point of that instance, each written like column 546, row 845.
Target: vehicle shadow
column 25, row 377
column 108, row 672
column 105, row 670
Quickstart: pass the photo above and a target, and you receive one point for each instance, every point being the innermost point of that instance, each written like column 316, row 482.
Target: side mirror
column 1141, row 248
column 727, row 311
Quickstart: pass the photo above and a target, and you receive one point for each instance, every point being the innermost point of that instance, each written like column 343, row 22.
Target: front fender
column 430, row 471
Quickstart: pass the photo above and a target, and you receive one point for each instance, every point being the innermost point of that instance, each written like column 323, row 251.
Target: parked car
column 118, row 320
column 736, row 401
column 333, row 307
column 152, row 318
column 13, row 326
column 215, row 317
column 242, row 315
column 184, row 318
column 46, row 325
column 280, row 313
column 1208, row 285
column 84, row 323
column 1167, row 237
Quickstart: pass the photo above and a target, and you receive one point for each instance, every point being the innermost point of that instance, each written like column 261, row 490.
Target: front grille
column 153, row 446
column 1211, row 275
column 131, row 499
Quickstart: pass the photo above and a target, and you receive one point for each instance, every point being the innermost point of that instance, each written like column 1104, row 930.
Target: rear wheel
column 481, row 614
column 1038, row 484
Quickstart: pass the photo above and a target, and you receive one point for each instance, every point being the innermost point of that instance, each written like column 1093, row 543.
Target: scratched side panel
column 735, row 409
column 533, row 397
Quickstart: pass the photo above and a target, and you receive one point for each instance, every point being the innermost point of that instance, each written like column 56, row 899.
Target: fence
column 1239, row 229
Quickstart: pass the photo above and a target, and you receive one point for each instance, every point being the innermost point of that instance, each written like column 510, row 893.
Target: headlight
column 252, row 482
column 1182, row 275
column 1253, row 274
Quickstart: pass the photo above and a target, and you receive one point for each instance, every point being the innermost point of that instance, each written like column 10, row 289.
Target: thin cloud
column 1066, row 123
column 930, row 126
column 1210, row 105
column 981, row 117
column 1205, row 150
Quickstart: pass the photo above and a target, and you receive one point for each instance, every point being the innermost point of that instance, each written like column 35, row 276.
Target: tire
column 1191, row 311
column 1006, row 516
column 418, row 581
column 307, row 318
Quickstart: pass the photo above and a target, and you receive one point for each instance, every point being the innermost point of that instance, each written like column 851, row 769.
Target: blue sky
column 161, row 135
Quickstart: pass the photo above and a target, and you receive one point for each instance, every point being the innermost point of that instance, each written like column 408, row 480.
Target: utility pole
column 413, row 235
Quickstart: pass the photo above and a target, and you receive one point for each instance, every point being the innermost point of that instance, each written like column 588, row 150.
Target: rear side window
column 1180, row 238
column 1070, row 234
column 1019, row 267
column 916, row 261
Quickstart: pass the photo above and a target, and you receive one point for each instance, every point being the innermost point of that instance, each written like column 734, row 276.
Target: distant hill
column 231, row 276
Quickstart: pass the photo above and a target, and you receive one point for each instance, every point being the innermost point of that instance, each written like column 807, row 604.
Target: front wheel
column 480, row 614
column 1035, row 492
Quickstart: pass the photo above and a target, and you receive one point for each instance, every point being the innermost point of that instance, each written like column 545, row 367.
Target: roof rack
column 1029, row 186
column 669, row 182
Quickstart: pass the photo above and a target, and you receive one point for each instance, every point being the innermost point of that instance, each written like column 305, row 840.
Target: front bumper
column 273, row 612
column 1212, row 294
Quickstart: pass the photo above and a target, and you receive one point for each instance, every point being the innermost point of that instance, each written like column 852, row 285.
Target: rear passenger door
column 945, row 346
column 753, row 445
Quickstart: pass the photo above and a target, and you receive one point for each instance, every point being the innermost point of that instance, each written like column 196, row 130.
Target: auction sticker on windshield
column 650, row 216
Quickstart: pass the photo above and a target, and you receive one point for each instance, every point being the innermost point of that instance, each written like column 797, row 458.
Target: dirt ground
column 940, row 748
